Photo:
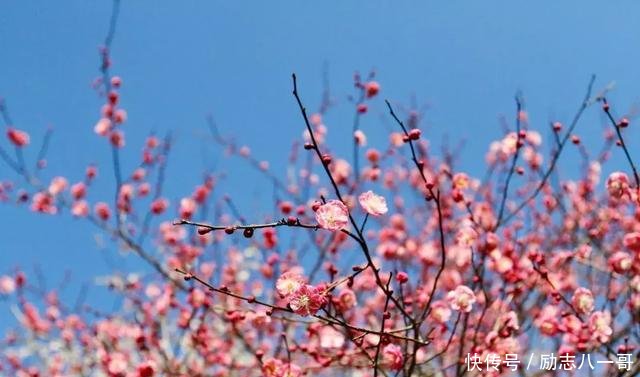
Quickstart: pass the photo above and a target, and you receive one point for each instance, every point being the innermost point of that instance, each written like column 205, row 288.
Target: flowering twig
column 410, row 137
column 617, row 126
column 586, row 102
column 293, row 222
column 385, row 315
column 514, row 160
column 434, row 194
column 325, row 164
column 253, row 300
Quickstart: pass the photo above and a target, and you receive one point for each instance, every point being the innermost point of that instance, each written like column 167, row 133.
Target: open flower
column 187, row 207
column 583, row 300
column 462, row 298
column 7, row 285
column 288, row 283
column 373, row 204
column 600, row 326
column 617, row 184
column 307, row 300
column 392, row 356
column 360, row 138
column 58, row 185
column 333, row 215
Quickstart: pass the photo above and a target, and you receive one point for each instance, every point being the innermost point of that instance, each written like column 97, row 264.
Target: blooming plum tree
column 446, row 265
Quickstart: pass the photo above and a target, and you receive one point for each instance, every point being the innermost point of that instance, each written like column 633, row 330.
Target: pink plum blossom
column 333, row 215
column 373, row 204
column 393, row 356
column 617, row 184
column 462, row 298
column 306, row 300
column 583, row 300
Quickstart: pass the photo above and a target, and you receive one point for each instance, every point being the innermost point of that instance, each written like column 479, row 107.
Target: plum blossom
column 441, row 312
column 117, row 139
column 620, row 262
column 80, row 208
column 79, row 190
column 583, row 300
column 288, row 283
column 462, row 298
column 466, row 235
column 7, row 285
column 307, row 300
column 187, row 207
column 58, row 185
column 632, row 241
column 373, row 204
column 333, row 215
column 617, row 184
column 120, row 116
column 117, row 364
column 43, row 203
column 197, row 298
column 102, row 127
column 460, row 181
column 346, row 299
column 393, row 357
column 360, row 138
column 600, row 326
column 509, row 144
column 340, row 171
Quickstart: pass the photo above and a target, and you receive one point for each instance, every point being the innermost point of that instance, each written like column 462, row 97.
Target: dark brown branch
column 433, row 195
column 617, row 126
column 385, row 314
column 436, row 196
column 514, row 160
column 583, row 106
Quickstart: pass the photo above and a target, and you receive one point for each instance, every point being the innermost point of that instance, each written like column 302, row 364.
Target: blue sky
column 182, row 60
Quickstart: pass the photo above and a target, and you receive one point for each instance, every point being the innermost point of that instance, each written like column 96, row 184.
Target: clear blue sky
column 182, row 60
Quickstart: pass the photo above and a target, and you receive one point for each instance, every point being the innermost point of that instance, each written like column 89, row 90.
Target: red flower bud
column 113, row 97
column 402, row 277
column 202, row 230
column 575, row 139
column 414, row 134
column 372, row 88
column 624, row 122
column 116, row 81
